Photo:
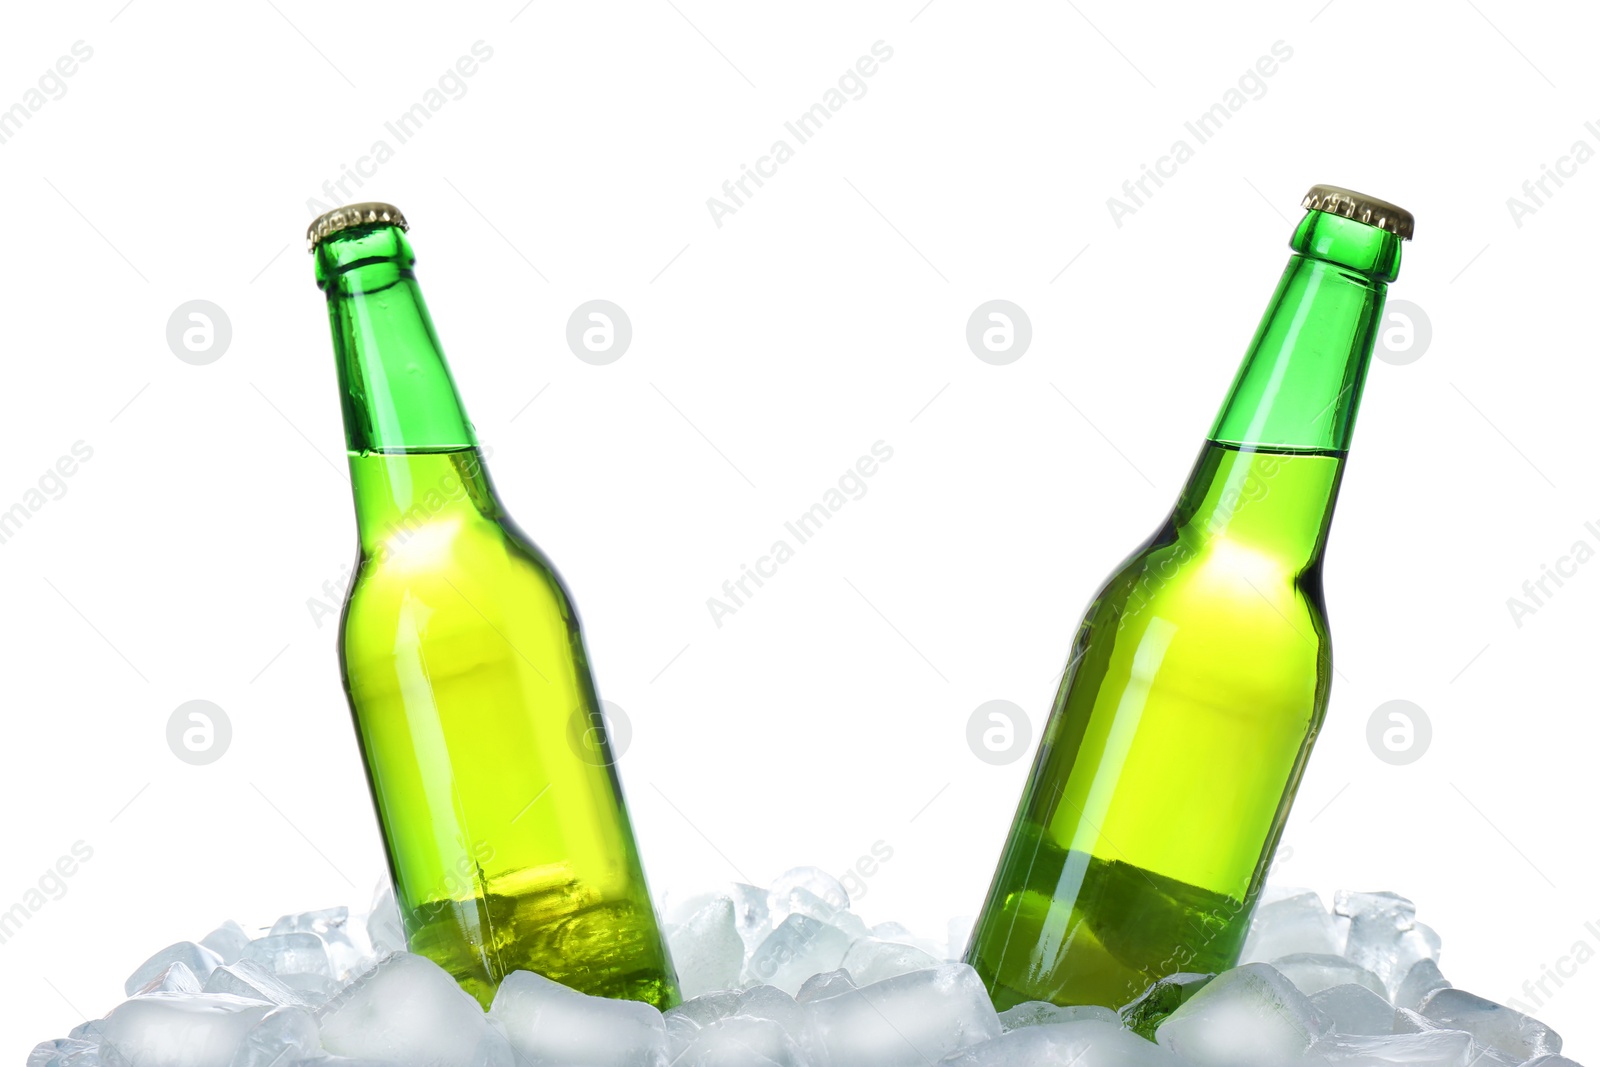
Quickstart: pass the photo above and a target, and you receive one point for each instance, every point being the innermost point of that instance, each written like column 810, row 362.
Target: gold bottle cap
column 343, row 218
column 1362, row 208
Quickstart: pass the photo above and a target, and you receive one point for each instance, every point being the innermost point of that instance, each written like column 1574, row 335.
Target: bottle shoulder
column 1215, row 586
column 473, row 558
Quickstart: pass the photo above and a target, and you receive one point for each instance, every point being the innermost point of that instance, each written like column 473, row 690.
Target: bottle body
column 461, row 654
column 1199, row 676
column 463, row 660
column 1179, row 734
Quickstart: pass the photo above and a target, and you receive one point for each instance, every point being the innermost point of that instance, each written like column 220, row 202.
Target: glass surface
column 1200, row 674
column 507, row 834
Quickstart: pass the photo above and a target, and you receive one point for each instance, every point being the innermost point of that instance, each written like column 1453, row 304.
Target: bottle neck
column 394, row 385
column 1267, row 480
column 1299, row 387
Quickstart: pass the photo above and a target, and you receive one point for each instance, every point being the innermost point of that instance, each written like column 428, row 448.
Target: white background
column 827, row 314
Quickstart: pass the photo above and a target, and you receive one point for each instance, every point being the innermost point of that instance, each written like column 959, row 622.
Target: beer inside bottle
column 495, row 786
column 1200, row 674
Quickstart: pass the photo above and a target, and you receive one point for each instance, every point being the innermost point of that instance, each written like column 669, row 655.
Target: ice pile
column 788, row 976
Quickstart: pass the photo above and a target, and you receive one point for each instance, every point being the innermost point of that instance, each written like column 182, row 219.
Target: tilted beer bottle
column 1199, row 676
column 489, row 764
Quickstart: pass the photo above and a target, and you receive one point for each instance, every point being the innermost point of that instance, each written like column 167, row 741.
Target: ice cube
column 800, row 947
column 850, row 923
column 1355, row 1009
column 1477, row 1055
column 1043, row 1013
column 385, row 932
column 681, row 1033
column 1165, row 996
column 805, row 903
column 824, row 985
column 200, row 960
column 251, row 980
column 815, row 883
column 761, row 1001
column 1422, row 979
column 705, row 1009
column 493, row 1051
column 707, row 948
column 749, row 1029
column 900, row 935
column 65, row 1052
column 869, row 960
column 909, row 1020
column 408, row 1011
column 1249, row 1016
column 1381, row 909
column 1493, row 1025
column 548, row 1023
column 325, row 923
column 179, row 1029
column 313, row 988
column 773, row 1004
column 1407, row 1021
column 331, row 927
column 88, row 1030
column 1434, row 1048
column 741, row 1042
column 751, row 913
column 227, row 941
column 1294, row 924
column 1312, row 973
column 1085, row 1043
column 1538, row 1061
column 1385, row 936
column 685, row 1021
column 295, row 953
column 175, row 978
column 1395, row 961
column 286, row 1035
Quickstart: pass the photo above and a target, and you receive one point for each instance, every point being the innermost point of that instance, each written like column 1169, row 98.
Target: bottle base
column 608, row 949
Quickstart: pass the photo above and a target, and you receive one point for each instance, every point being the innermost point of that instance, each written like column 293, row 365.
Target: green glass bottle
column 1200, row 673
column 488, row 760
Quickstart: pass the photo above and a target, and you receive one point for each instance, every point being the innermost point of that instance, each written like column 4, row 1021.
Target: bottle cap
column 1362, row 208
column 372, row 213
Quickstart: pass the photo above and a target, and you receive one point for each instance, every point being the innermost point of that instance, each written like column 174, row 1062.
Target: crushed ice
column 789, row 977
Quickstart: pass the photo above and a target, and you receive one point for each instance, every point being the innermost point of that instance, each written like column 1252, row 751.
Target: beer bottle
column 1199, row 675
column 498, row 797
